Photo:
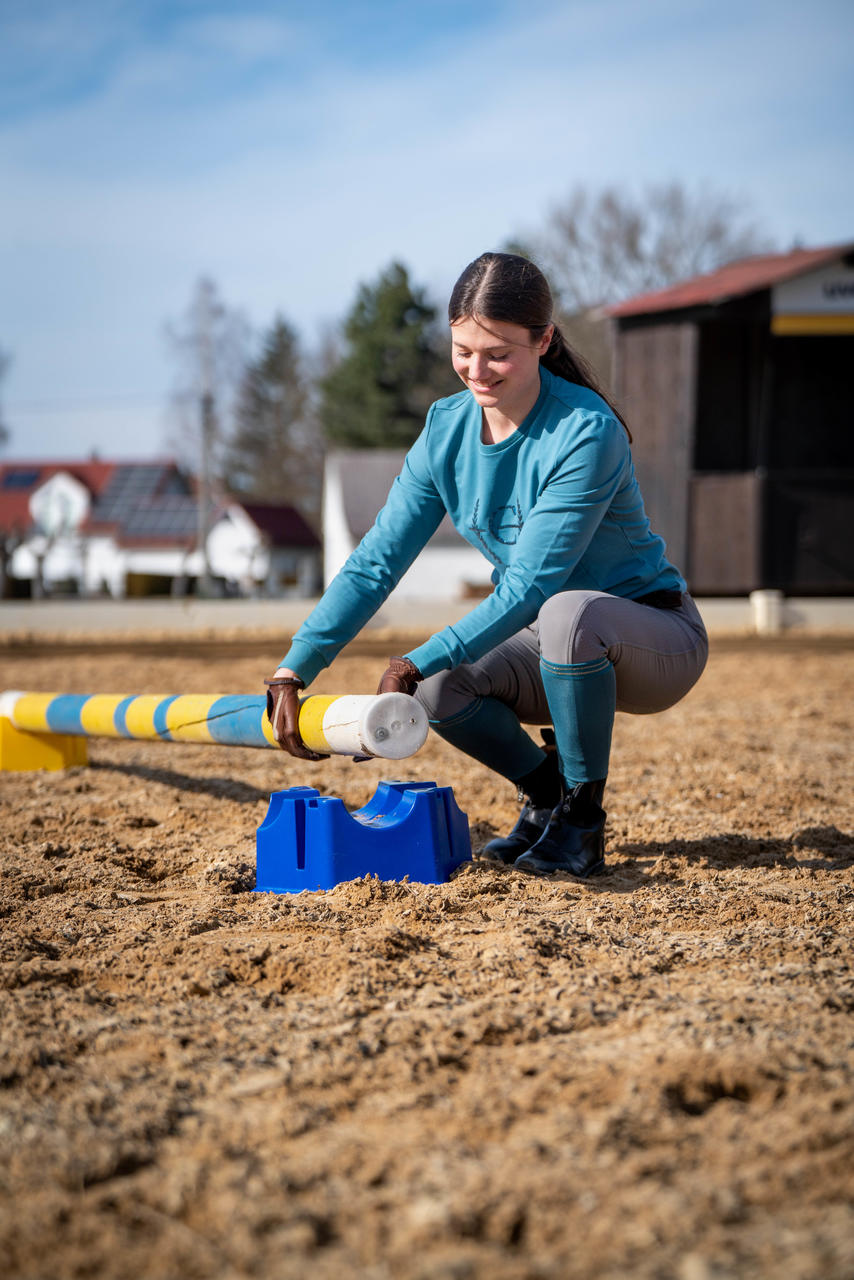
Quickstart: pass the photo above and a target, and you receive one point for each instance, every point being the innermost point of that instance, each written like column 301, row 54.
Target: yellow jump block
column 21, row 752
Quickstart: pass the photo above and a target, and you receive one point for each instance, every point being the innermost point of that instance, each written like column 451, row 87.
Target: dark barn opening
column 738, row 389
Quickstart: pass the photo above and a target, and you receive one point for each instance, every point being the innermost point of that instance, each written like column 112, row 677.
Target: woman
column 587, row 615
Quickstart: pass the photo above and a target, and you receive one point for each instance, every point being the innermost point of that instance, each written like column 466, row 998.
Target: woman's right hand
column 283, row 690
column 400, row 676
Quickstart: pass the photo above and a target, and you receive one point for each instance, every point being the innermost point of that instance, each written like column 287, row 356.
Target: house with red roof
column 737, row 387
column 132, row 528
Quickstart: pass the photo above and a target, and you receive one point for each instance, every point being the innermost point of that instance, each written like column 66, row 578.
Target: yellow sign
column 807, row 325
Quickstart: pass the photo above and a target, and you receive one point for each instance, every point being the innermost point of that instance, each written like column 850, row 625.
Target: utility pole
column 205, row 321
column 209, row 343
column 204, row 497
column 5, row 360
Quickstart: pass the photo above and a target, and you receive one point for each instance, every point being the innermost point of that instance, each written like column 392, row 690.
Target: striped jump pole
column 48, row 730
column 308, row 841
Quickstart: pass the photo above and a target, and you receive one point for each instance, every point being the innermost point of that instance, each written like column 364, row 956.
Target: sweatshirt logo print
column 503, row 525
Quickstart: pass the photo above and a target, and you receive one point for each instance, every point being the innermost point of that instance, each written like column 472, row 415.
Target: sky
column 290, row 152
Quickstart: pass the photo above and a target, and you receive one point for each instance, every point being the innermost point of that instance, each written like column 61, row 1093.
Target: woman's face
column 499, row 365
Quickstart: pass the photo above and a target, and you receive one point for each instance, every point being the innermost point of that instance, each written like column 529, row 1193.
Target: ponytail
column 561, row 360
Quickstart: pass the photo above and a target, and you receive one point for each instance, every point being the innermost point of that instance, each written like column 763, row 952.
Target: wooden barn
column 737, row 386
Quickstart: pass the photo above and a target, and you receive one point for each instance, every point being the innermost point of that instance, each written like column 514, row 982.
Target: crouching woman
column 587, row 615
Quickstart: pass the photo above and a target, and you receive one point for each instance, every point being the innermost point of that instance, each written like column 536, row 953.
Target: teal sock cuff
column 472, row 712
column 576, row 670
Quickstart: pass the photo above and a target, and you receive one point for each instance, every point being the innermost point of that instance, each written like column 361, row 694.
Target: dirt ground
column 649, row 1075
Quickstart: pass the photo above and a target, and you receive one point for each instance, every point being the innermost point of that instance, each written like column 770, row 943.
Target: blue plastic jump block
column 310, row 841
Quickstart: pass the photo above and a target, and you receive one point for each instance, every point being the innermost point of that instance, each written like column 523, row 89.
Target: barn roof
column 748, row 275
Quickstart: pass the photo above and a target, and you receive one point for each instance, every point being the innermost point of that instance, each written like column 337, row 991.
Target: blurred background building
column 132, row 529
column 737, row 386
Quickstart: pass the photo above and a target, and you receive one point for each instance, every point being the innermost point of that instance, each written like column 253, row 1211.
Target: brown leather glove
column 400, row 676
column 283, row 714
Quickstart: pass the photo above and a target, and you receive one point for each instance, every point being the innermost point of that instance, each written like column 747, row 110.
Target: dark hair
column 507, row 287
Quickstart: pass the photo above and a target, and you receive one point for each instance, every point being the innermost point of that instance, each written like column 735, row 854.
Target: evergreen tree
column 394, row 367
column 274, row 452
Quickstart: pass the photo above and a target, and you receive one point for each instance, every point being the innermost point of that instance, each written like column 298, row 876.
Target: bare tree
column 602, row 246
column 10, row 539
column 208, row 344
column 5, row 361
column 275, row 453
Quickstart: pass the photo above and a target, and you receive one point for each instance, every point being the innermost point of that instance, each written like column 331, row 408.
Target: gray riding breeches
column 657, row 654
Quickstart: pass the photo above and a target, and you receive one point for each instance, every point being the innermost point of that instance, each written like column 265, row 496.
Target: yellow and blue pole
column 389, row 725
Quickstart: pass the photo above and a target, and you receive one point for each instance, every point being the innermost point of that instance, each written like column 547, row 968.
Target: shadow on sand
column 634, row 864
column 222, row 788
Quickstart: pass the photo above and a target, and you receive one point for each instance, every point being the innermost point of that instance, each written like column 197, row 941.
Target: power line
column 78, row 405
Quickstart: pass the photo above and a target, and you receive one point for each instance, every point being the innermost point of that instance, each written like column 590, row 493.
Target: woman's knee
column 573, row 627
column 448, row 693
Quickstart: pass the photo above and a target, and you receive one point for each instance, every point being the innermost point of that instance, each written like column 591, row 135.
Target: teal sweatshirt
column 555, row 507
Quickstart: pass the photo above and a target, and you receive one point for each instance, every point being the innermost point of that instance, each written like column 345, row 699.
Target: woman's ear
column 546, row 340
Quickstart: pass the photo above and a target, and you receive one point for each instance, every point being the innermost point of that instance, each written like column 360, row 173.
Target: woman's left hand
column 283, row 706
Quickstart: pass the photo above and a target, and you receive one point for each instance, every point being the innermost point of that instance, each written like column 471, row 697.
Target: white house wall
column 104, row 567
column 55, row 551
column 237, row 551
column 23, row 563
column 439, row 573
column 300, row 568
column 61, row 559
column 337, row 540
column 443, row 573
column 107, row 565
column 163, row 562
column 60, row 505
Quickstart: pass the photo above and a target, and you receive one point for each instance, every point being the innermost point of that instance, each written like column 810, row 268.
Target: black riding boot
column 539, row 792
column 527, row 831
column 574, row 839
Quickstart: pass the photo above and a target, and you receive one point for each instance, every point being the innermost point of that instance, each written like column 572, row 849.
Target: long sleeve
column 410, row 517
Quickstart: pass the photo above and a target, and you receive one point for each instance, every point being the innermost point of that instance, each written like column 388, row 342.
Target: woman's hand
column 283, row 690
column 400, row 676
